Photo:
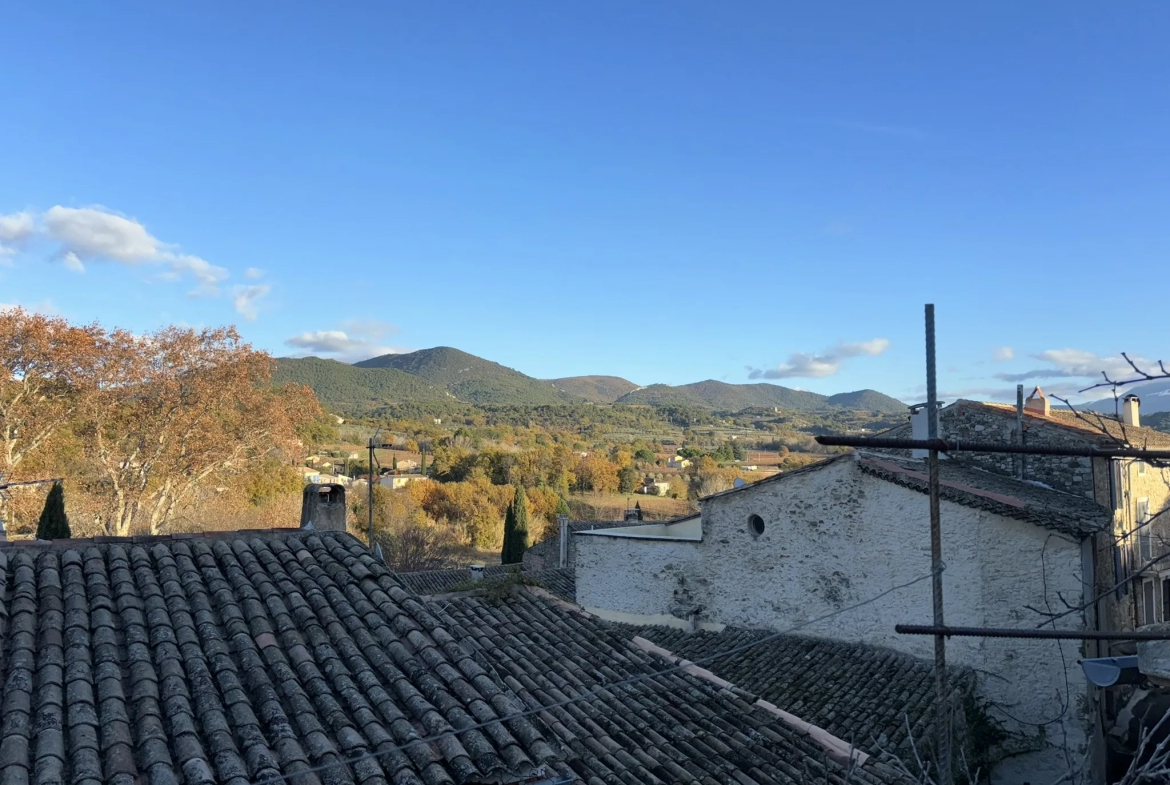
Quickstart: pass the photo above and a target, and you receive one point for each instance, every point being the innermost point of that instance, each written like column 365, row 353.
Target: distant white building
column 678, row 462
column 396, row 481
column 655, row 489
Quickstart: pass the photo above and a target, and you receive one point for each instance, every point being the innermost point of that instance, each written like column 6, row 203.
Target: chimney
column 563, row 525
column 1131, row 411
column 920, row 427
column 476, row 573
column 323, row 507
column 1038, row 403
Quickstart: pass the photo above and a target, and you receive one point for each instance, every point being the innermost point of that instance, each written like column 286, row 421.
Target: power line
column 605, row 687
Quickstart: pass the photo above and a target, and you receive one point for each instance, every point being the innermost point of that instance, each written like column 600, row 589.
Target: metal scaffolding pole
column 957, row 445
column 942, row 704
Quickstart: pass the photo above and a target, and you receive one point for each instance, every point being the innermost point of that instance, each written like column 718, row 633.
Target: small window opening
column 756, row 525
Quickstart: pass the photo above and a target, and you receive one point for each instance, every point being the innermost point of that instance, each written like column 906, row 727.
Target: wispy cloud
column 1004, row 353
column 1071, row 364
column 87, row 235
column 15, row 230
column 359, row 339
column 246, row 299
column 44, row 307
column 821, row 364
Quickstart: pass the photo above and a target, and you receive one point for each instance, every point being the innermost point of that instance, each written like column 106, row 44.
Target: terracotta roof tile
column 240, row 658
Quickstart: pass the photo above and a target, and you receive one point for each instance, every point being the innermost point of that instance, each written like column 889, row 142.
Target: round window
column 756, row 525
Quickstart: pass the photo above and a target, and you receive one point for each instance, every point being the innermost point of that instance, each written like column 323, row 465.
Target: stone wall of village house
column 834, row 537
column 979, row 424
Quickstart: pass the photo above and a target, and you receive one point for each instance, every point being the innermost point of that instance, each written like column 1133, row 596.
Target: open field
column 611, row 506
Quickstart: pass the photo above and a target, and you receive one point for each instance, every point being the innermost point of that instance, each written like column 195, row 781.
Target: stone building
column 1135, row 550
column 815, row 542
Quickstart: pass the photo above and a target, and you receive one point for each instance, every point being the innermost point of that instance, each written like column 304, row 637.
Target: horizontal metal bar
column 1000, row 632
column 30, row 482
column 956, row 445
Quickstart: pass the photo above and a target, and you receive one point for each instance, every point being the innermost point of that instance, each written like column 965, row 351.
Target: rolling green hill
column 449, row 376
column 596, row 389
column 470, row 378
column 867, row 401
column 721, row 396
column 350, row 389
column 1159, row 421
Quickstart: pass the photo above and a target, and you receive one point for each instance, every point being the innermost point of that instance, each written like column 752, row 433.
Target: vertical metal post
column 1018, row 437
column 942, row 709
column 563, row 523
column 370, row 493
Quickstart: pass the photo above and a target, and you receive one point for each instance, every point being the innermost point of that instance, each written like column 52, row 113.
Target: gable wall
column 834, row 537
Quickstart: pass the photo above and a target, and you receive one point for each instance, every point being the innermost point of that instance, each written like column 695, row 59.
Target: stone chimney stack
column 1038, row 403
column 1131, row 413
column 476, row 572
column 323, row 506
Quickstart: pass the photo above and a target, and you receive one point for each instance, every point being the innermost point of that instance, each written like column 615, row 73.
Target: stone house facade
column 813, row 543
column 1136, row 493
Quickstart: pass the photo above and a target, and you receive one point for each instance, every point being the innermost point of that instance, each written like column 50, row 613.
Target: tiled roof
column 439, row 581
column 246, row 658
column 672, row 729
column 1102, row 428
column 560, row 582
column 1063, row 512
column 862, row 694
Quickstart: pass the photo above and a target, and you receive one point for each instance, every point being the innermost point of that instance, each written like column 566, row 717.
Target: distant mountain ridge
column 472, row 379
column 445, row 373
column 722, row 396
column 1155, row 397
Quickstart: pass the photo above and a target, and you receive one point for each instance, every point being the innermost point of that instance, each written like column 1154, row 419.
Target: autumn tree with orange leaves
column 157, row 418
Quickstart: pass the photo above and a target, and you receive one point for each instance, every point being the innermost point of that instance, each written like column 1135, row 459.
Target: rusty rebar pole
column 957, row 445
column 942, row 706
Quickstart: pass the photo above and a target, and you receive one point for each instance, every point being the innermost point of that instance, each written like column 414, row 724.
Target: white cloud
column 90, row 234
column 94, row 233
column 1073, row 364
column 15, row 229
column 822, row 364
column 360, row 340
column 253, row 273
column 246, row 299
column 208, row 275
column 1004, row 353
column 44, row 307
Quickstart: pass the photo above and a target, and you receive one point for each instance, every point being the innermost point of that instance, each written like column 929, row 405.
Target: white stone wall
column 834, row 537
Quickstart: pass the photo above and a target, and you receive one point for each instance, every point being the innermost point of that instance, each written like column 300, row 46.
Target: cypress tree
column 53, row 524
column 515, row 529
column 562, row 507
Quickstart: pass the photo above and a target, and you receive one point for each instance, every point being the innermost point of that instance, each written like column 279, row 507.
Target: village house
column 677, row 462
column 1133, row 491
column 780, row 552
column 656, row 488
column 396, row 481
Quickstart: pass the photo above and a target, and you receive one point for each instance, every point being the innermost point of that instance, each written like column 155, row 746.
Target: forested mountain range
column 447, row 374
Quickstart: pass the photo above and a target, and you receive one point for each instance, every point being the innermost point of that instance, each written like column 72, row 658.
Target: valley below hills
column 442, row 376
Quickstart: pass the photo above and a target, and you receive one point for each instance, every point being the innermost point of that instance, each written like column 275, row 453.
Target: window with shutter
column 1145, row 548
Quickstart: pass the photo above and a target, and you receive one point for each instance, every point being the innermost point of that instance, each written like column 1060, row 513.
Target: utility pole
column 942, row 707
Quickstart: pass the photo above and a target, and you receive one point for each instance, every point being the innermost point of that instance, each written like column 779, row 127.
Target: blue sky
column 666, row 191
